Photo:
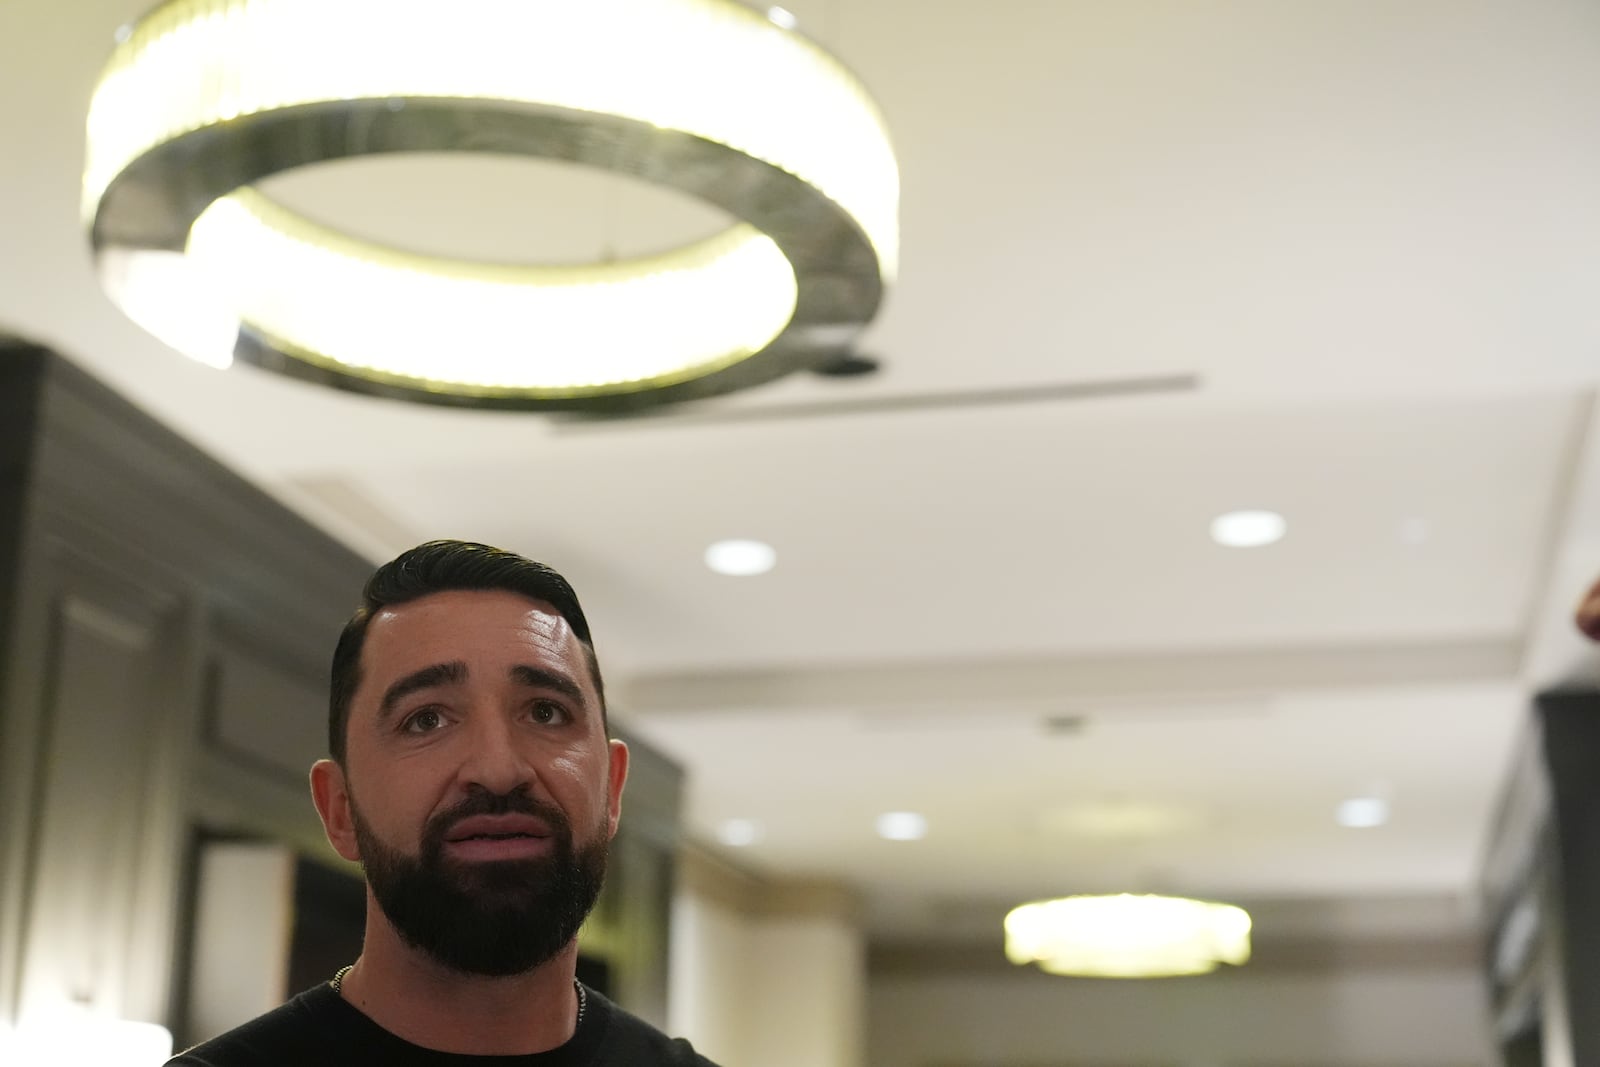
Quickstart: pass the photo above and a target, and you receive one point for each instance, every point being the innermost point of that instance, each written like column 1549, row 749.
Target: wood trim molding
column 1278, row 956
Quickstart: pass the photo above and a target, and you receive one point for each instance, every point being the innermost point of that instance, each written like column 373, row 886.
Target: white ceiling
column 1369, row 227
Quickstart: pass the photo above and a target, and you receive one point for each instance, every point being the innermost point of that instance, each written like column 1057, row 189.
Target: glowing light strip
column 1127, row 936
column 710, row 68
column 557, row 331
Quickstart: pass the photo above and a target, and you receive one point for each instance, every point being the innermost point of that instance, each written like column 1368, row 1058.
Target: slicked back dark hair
column 437, row 567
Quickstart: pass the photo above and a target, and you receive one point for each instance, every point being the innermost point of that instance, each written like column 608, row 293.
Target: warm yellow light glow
column 76, row 1037
column 558, row 330
column 1127, row 936
column 175, row 300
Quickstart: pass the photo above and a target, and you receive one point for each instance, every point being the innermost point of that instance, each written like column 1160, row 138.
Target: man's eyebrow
column 453, row 672
column 539, row 678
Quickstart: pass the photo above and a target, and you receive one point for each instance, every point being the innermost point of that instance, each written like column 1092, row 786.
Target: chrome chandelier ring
column 203, row 99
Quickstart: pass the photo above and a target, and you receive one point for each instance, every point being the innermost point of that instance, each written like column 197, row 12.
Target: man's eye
column 424, row 721
column 547, row 712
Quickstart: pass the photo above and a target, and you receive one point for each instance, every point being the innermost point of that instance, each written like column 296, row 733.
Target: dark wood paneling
column 261, row 715
column 21, row 368
column 99, row 833
column 104, row 464
column 1571, row 725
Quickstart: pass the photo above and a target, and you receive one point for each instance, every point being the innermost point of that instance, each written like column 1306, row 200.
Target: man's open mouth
column 508, row 827
column 497, row 837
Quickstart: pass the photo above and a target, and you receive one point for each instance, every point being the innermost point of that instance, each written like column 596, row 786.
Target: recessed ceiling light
column 741, row 558
column 902, row 826
column 1117, row 820
column 1248, row 529
column 1362, row 813
column 782, row 18
column 1414, row 531
column 739, row 832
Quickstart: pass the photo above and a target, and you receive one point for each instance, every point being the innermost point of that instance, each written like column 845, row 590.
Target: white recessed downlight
column 1414, row 531
column 902, row 826
column 1361, row 813
column 782, row 18
column 741, row 558
column 1248, row 529
column 739, row 833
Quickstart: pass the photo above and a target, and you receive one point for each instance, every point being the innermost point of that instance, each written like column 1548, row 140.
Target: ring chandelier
column 1127, row 935
column 203, row 98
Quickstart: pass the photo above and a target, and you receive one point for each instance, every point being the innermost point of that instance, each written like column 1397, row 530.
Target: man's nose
column 494, row 760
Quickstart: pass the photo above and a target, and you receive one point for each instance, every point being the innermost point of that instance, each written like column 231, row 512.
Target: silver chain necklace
column 583, row 994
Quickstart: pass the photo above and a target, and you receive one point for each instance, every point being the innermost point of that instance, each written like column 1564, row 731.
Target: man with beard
column 473, row 779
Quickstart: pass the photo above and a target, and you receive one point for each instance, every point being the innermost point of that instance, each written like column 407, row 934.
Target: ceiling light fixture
column 1248, row 529
column 902, row 826
column 206, row 97
column 1363, row 813
column 1414, row 531
column 740, row 558
column 782, row 17
column 1127, row 936
column 739, row 833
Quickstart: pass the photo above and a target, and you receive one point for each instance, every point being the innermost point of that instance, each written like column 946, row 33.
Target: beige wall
column 764, row 973
column 1428, row 1017
column 775, row 974
column 708, row 977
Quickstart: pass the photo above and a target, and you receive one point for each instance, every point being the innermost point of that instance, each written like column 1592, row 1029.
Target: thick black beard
column 493, row 918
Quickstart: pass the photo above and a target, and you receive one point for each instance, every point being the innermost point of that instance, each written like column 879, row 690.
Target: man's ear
column 617, row 778
column 1588, row 616
column 331, row 795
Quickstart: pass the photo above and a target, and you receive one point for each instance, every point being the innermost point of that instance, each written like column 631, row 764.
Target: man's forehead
column 457, row 635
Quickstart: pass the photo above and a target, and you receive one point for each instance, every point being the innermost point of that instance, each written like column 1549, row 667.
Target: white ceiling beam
column 1054, row 681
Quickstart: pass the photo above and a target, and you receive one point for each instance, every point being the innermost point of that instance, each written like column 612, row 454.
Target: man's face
column 480, row 789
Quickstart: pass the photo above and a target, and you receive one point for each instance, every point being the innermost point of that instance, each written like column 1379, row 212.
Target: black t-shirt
column 319, row 1027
